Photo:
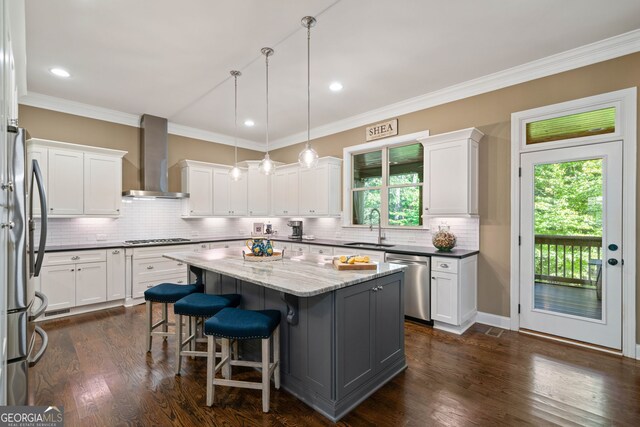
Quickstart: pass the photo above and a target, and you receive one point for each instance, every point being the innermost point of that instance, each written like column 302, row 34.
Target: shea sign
column 382, row 130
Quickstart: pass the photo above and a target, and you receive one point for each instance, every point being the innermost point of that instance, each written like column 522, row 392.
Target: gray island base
column 342, row 333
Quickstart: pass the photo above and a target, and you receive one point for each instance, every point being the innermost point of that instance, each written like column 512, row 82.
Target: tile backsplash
column 160, row 218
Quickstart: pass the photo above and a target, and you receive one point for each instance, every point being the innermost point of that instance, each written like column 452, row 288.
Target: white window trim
column 380, row 144
column 625, row 102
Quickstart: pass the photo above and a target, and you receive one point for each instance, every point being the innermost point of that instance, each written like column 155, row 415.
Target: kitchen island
column 342, row 333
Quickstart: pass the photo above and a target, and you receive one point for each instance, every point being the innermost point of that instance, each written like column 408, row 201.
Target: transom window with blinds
column 389, row 179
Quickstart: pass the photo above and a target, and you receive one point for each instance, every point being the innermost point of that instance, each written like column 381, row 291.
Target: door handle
column 37, row 264
column 612, row 261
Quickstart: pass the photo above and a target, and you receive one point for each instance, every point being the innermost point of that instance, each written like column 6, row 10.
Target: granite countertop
column 302, row 276
column 397, row 249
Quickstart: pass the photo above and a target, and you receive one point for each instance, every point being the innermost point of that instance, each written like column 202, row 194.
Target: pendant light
column 235, row 173
column 308, row 157
column 266, row 165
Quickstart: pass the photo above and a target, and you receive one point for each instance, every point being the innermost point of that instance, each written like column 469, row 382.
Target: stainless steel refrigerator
column 24, row 304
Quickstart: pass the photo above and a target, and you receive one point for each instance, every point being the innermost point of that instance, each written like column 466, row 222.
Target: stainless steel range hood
column 154, row 152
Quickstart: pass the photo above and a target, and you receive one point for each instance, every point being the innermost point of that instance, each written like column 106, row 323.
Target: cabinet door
column 66, row 178
column 292, row 192
column 314, row 191
column 355, row 338
column 238, row 196
column 221, row 201
column 444, row 297
column 58, row 283
column 41, row 155
column 258, row 193
column 115, row 274
column 389, row 315
column 448, row 176
column 279, row 193
column 199, row 185
column 91, row 283
column 102, row 185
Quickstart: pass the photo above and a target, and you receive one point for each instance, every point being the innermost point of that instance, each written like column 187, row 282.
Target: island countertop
column 303, row 276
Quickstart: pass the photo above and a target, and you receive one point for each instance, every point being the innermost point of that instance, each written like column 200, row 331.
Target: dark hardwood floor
column 97, row 367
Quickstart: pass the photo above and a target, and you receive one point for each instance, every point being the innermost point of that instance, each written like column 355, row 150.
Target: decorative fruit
column 366, row 259
column 343, row 258
column 351, row 261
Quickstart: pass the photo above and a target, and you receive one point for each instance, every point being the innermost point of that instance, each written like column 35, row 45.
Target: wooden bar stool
column 238, row 324
column 165, row 294
column 197, row 306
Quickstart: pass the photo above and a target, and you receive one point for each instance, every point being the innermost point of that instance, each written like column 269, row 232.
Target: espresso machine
column 296, row 229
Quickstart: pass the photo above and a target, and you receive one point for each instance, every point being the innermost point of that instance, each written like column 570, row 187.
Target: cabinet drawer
column 224, row 245
column 322, row 250
column 75, row 257
column 297, row 249
column 158, row 266
column 157, row 251
column 139, row 286
column 445, row 265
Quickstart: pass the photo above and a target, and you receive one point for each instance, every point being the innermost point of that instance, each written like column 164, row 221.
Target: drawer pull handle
column 150, row 286
column 180, row 263
column 433, row 278
column 75, row 257
column 203, row 246
column 116, row 252
column 180, row 281
column 444, row 265
column 149, row 267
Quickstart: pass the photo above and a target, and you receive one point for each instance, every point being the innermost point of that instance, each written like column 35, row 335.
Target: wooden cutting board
column 357, row 266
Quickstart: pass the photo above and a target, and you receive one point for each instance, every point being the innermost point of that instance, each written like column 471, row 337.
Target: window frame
column 384, row 145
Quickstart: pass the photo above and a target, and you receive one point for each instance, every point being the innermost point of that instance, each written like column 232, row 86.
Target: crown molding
column 599, row 51
column 85, row 110
column 602, row 50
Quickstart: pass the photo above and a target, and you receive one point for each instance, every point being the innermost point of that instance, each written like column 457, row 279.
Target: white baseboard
column 503, row 322
column 458, row 330
column 638, row 351
column 81, row 310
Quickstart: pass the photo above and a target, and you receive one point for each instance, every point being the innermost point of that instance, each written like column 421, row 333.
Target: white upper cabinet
column 198, row 182
column 211, row 190
column 258, row 191
column 103, row 184
column 451, row 170
column 284, row 191
column 79, row 180
column 320, row 191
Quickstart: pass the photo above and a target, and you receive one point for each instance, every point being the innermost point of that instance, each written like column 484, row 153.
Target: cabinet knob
column 433, row 278
column 72, row 269
column 426, row 209
column 79, row 269
column 50, row 209
column 203, row 246
column 321, row 251
column 149, row 267
column 117, row 210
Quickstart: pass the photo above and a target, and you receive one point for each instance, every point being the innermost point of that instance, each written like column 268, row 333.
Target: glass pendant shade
column 266, row 166
column 308, row 157
column 235, row 173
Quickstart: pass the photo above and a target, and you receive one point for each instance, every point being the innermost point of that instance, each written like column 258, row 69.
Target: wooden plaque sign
column 382, row 130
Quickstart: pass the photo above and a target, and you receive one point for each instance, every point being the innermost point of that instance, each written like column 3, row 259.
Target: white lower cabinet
column 78, row 278
column 149, row 268
column 454, row 292
column 91, row 283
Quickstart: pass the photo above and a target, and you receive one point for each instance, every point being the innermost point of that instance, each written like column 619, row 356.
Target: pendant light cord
column 308, row 83
column 235, row 117
column 266, row 59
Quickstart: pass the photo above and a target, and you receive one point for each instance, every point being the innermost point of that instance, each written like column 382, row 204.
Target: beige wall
column 491, row 113
column 47, row 124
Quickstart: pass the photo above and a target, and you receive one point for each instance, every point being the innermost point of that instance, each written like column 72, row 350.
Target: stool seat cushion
column 204, row 305
column 235, row 323
column 170, row 292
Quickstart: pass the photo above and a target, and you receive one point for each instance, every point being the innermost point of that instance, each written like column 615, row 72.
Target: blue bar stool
column 238, row 324
column 197, row 306
column 168, row 293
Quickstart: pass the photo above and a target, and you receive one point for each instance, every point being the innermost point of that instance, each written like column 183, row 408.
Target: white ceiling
column 172, row 59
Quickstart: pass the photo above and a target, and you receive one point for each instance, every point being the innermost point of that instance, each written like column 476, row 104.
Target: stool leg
column 276, row 357
column 178, row 343
column 165, row 318
column 226, row 367
column 149, row 325
column 211, row 361
column 192, row 331
column 265, row 375
column 236, row 355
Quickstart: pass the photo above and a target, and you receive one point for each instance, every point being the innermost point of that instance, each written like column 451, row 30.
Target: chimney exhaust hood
column 154, row 152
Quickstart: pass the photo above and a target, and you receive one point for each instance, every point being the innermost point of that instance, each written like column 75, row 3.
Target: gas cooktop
column 150, row 242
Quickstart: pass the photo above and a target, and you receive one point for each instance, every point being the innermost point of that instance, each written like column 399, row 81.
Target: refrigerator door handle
column 43, row 306
column 43, row 348
column 37, row 177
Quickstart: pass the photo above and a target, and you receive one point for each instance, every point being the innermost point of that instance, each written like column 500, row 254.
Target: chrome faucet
column 380, row 236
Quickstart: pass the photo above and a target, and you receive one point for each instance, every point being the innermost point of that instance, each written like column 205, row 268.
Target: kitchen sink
column 368, row 245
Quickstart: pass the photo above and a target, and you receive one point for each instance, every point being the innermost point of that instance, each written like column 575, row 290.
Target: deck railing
column 567, row 259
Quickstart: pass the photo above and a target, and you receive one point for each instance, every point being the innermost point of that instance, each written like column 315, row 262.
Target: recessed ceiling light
column 248, row 123
column 335, row 86
column 60, row 72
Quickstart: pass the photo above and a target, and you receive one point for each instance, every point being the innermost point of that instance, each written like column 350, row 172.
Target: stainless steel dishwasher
column 417, row 285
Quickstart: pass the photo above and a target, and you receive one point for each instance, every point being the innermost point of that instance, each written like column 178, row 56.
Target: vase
column 443, row 239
